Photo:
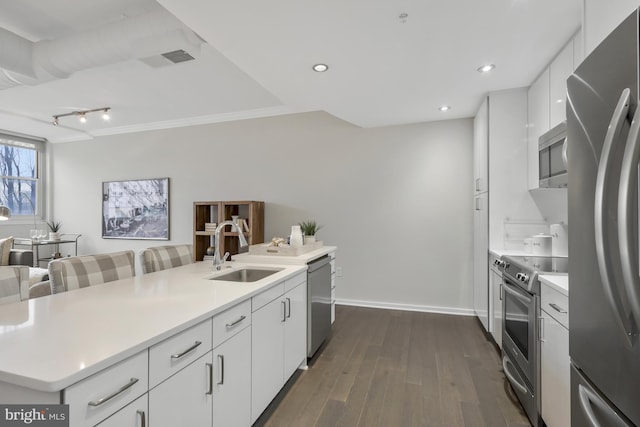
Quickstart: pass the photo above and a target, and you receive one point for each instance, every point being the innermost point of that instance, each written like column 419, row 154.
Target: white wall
column 395, row 200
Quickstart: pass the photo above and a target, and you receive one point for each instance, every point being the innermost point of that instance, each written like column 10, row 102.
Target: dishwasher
column 318, row 303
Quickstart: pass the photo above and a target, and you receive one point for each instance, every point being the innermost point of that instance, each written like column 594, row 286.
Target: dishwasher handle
column 318, row 263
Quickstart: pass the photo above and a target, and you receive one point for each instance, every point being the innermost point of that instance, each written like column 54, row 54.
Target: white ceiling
column 258, row 55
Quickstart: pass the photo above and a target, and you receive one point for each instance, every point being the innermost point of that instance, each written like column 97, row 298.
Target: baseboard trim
column 407, row 307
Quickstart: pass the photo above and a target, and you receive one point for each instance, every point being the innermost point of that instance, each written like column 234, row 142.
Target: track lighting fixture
column 82, row 115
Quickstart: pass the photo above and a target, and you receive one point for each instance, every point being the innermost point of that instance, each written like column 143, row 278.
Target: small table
column 35, row 245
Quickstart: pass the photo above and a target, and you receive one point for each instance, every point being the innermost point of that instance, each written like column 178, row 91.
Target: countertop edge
column 55, row 386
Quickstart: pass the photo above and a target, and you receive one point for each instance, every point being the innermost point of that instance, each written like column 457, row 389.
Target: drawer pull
column 209, row 378
column 114, row 394
column 143, row 418
column 234, row 323
column 557, row 308
column 221, row 365
column 193, row 347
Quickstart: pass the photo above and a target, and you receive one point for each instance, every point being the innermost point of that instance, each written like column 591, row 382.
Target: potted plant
column 309, row 229
column 54, row 227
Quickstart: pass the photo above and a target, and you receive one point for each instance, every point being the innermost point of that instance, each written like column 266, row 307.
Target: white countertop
column 52, row 342
column 513, row 252
column 279, row 259
column 559, row 282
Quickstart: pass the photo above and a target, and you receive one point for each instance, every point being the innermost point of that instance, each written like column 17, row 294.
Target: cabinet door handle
column 221, row 364
column 477, row 184
column 122, row 389
column 501, row 292
column 235, row 322
column 288, row 308
column 284, row 311
column 478, row 206
column 541, row 329
column 143, row 418
column 557, row 308
column 193, row 347
column 209, row 378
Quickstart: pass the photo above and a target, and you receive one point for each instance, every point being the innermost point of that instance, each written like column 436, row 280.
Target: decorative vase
column 54, row 235
column 309, row 239
column 296, row 236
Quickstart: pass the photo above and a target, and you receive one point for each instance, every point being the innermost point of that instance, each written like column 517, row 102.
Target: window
column 20, row 171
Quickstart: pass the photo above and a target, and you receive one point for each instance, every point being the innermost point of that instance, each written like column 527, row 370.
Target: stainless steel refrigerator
column 603, row 133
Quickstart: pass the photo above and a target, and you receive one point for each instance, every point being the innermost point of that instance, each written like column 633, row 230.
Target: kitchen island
column 52, row 344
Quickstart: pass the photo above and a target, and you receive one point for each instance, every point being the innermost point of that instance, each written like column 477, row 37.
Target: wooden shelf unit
column 219, row 211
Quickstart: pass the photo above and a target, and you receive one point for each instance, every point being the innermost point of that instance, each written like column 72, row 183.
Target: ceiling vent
column 178, row 56
column 143, row 37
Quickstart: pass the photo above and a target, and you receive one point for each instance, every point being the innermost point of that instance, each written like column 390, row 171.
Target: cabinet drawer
column 555, row 304
column 135, row 414
column 97, row 397
column 295, row 281
column 267, row 296
column 169, row 356
column 230, row 322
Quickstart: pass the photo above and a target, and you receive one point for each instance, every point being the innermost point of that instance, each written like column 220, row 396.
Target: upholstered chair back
column 163, row 257
column 72, row 273
column 14, row 284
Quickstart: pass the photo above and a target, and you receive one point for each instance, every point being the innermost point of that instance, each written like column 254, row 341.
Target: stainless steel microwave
column 552, row 157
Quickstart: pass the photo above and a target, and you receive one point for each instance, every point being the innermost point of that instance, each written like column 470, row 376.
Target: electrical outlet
column 339, row 271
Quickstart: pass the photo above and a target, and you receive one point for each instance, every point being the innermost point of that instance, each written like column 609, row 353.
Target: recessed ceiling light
column 559, row 101
column 320, row 68
column 444, row 108
column 486, row 68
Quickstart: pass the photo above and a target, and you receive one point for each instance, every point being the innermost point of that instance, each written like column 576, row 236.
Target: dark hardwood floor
column 399, row 368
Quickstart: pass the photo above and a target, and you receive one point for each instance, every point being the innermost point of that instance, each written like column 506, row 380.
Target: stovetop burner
column 524, row 270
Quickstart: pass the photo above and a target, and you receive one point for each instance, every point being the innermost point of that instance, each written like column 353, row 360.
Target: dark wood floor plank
column 395, row 368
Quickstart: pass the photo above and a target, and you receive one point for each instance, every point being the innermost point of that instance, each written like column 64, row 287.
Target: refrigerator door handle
column 600, row 220
column 587, row 399
column 627, row 194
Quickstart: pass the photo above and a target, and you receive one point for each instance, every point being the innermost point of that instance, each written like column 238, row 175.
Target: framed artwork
column 137, row 209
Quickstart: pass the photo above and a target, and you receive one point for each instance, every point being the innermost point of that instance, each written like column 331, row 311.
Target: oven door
column 519, row 331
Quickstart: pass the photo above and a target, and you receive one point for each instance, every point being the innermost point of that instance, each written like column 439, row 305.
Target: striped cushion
column 163, row 257
column 14, row 284
column 67, row 274
column 5, row 250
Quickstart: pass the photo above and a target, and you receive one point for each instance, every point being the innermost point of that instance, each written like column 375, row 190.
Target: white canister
column 528, row 245
column 295, row 239
column 560, row 240
column 541, row 245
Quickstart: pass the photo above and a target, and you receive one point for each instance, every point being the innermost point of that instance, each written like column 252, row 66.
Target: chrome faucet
column 217, row 261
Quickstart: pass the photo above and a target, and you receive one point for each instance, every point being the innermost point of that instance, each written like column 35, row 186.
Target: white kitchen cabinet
column 278, row 344
column 496, row 305
column 559, row 71
column 537, row 123
column 186, row 398
column 267, row 343
column 135, row 414
column 332, row 255
column 295, row 330
column 232, row 381
column 480, row 258
column 103, row 394
column 555, row 368
column 481, row 148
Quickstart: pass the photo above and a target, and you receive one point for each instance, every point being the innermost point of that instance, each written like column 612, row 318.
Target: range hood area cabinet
column 217, row 212
column 546, row 101
column 500, row 149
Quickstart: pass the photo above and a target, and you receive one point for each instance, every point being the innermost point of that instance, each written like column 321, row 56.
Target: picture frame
column 136, row 209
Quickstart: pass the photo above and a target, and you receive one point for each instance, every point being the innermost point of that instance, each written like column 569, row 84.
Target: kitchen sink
column 246, row 275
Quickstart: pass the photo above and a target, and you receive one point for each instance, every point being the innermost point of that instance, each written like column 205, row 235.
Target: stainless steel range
column 520, row 308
